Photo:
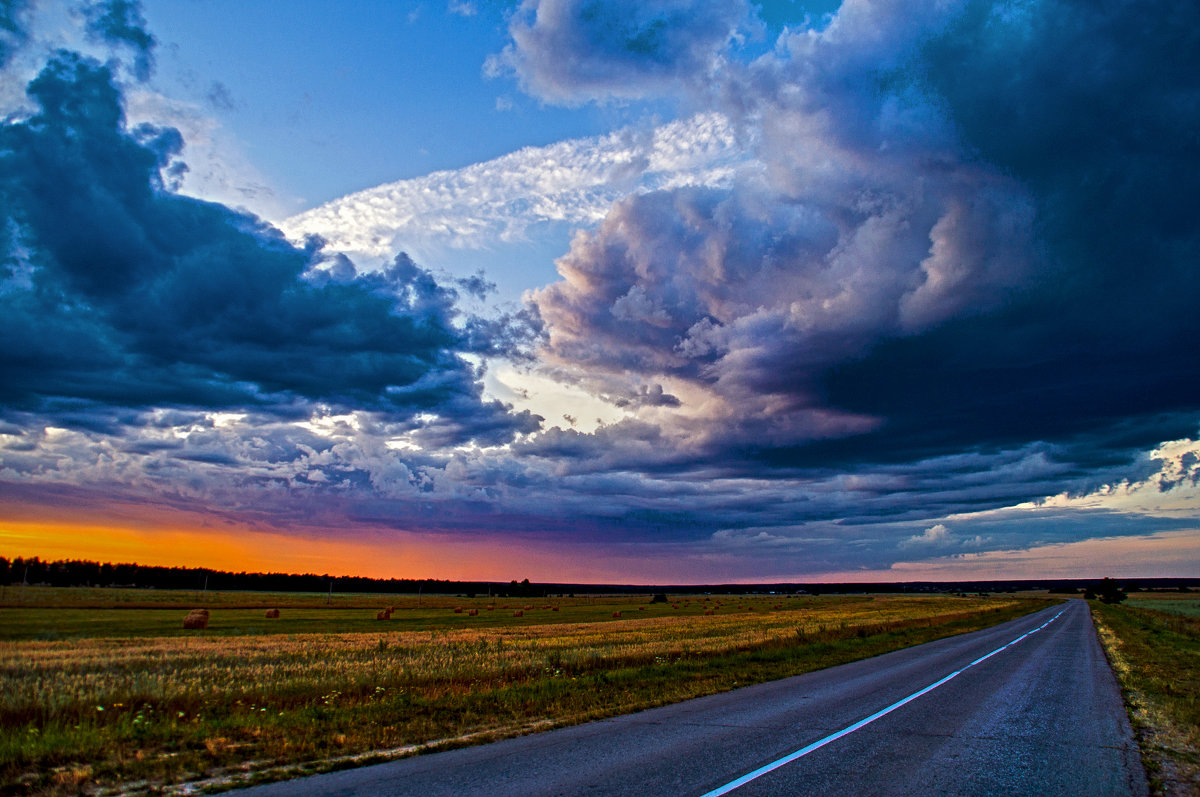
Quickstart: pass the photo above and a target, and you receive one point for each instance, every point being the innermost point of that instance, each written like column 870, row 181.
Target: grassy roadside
column 1155, row 653
column 140, row 714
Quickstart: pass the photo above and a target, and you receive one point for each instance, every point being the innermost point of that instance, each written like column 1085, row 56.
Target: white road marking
column 833, row 737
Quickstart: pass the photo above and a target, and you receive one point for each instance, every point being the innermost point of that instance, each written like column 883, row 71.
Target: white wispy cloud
column 498, row 201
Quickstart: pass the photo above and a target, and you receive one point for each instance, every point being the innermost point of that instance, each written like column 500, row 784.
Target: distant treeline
column 83, row 573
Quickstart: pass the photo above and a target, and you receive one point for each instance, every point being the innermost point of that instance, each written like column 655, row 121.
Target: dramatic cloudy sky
column 669, row 291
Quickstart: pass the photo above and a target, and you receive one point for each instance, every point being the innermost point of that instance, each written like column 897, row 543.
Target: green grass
column 139, row 700
column 1184, row 606
column 1155, row 653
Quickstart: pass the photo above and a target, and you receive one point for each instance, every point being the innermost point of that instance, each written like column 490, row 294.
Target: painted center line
column 833, row 737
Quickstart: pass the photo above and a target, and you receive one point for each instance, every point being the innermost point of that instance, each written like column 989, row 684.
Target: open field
column 107, row 697
column 96, row 613
column 1186, row 604
column 1153, row 642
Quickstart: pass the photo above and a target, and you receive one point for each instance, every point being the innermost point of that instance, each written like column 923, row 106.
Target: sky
column 686, row 291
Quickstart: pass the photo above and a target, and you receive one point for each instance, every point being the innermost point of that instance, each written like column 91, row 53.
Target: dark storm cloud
column 975, row 230
column 1095, row 109
column 572, row 51
column 118, row 293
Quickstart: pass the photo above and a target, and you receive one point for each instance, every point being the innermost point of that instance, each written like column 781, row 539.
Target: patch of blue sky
column 331, row 98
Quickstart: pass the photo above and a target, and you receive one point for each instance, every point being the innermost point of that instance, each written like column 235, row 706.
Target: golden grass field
column 98, row 697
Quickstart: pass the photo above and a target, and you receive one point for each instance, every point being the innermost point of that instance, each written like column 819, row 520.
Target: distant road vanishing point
column 1029, row 707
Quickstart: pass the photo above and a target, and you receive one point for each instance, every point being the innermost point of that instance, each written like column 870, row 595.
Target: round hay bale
column 616, row 615
column 196, row 619
column 519, row 613
column 272, row 614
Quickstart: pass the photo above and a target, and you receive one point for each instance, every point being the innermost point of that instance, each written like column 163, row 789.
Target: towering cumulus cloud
column 967, row 219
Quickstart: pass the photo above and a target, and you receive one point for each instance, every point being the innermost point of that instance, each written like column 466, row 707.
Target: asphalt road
column 1039, row 716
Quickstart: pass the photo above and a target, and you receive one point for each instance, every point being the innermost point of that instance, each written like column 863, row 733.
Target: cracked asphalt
column 1042, row 717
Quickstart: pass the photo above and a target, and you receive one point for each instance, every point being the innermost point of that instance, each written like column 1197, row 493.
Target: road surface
column 1029, row 707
